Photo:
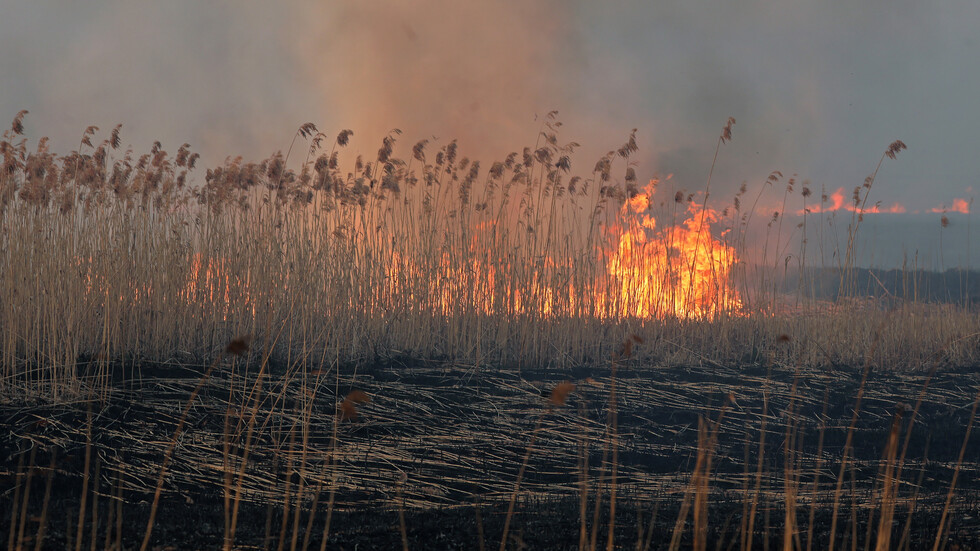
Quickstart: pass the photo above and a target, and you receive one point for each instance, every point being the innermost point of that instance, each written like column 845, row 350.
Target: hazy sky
column 818, row 88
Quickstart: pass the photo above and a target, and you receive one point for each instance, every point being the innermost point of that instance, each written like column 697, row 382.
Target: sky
column 818, row 89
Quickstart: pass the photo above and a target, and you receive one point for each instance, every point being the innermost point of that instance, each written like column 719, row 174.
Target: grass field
column 264, row 357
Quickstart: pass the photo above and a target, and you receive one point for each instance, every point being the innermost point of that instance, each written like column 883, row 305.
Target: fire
column 959, row 205
column 895, row 208
column 681, row 271
column 207, row 280
column 836, row 203
column 475, row 284
column 638, row 270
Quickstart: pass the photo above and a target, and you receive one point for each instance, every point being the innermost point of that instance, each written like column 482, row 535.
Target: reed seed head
column 559, row 394
column 237, row 347
column 18, row 125
column 894, row 148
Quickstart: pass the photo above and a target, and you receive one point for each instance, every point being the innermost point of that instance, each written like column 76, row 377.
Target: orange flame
column 836, row 200
column 643, row 272
column 486, row 287
column 681, row 271
column 959, row 205
column 894, row 208
column 206, row 280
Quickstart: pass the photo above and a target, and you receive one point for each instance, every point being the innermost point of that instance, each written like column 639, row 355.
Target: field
column 424, row 353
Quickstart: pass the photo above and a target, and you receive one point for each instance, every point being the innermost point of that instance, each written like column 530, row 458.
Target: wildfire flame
column 680, row 271
column 959, row 205
column 836, row 202
column 646, row 272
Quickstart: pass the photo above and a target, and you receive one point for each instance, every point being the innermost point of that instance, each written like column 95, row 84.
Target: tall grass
column 108, row 256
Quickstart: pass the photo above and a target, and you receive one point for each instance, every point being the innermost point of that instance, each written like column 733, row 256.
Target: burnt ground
column 443, row 446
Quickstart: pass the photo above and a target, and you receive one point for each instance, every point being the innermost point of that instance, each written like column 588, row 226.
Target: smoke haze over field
column 475, row 71
column 819, row 90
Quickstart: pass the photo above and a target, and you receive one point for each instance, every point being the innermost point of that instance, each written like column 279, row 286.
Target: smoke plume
column 476, row 71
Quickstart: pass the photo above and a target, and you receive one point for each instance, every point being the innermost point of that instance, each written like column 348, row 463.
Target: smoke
column 818, row 90
column 477, row 71
column 486, row 73
column 239, row 78
column 207, row 74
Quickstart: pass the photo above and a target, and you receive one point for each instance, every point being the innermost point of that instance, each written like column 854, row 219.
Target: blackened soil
column 548, row 524
column 444, row 445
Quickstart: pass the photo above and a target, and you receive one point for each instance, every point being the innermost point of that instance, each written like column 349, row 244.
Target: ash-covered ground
column 443, row 445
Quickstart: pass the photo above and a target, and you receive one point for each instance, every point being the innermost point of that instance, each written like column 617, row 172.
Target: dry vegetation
column 116, row 257
column 112, row 263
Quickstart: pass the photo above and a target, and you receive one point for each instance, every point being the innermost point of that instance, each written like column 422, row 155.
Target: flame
column 681, row 271
column 959, row 205
column 836, row 200
column 641, row 271
column 207, row 280
column 473, row 285
column 894, row 208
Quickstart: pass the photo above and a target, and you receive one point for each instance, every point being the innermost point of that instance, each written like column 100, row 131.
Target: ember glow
column 894, row 208
column 208, row 280
column 961, row 206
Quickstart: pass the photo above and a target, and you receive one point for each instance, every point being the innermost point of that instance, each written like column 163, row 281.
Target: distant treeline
column 955, row 286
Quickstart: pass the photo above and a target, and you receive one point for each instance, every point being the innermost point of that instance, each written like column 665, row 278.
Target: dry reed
column 109, row 258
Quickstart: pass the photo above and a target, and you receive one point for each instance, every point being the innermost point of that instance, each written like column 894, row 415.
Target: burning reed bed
column 120, row 258
column 428, row 335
